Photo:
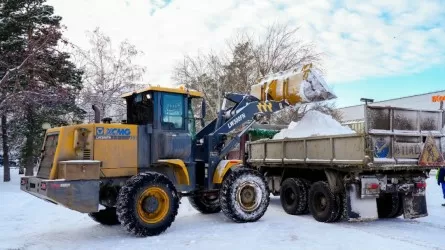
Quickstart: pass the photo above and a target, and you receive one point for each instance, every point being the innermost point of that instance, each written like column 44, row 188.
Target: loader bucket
column 296, row 86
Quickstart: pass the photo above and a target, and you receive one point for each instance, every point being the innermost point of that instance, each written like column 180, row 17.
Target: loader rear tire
column 293, row 196
column 147, row 205
column 323, row 203
column 244, row 195
column 205, row 204
column 105, row 216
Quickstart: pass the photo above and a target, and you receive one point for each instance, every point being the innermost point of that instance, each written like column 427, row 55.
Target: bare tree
column 281, row 48
column 206, row 74
column 107, row 73
column 288, row 115
column 243, row 62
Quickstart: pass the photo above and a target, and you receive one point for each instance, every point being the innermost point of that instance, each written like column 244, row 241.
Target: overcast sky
column 370, row 45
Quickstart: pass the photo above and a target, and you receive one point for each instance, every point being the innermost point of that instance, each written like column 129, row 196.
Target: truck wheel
column 244, row 195
column 389, row 206
column 105, row 216
column 323, row 204
column 205, row 204
column 341, row 206
column 293, row 196
column 307, row 185
column 148, row 204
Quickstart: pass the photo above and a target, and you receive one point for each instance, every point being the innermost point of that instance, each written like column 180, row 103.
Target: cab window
column 172, row 111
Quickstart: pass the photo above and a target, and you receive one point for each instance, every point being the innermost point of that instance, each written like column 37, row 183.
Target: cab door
column 172, row 138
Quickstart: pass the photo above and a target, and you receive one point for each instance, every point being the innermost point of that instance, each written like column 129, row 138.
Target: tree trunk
column 6, row 170
column 29, row 145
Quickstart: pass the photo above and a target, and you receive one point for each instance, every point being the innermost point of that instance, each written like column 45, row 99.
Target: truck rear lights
column 43, row 186
column 372, row 186
column 421, row 185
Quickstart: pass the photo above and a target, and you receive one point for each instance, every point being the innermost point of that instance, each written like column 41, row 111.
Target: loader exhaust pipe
column 96, row 114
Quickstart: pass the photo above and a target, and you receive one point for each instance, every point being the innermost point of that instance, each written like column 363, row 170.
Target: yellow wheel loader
column 135, row 172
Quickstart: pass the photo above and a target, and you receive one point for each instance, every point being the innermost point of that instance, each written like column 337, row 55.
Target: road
column 29, row 223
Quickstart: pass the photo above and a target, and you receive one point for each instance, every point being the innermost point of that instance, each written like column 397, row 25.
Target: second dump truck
column 378, row 172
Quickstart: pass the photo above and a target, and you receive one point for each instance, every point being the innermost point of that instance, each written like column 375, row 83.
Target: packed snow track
column 30, row 223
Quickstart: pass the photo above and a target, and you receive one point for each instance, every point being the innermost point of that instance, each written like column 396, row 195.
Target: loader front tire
column 205, row 204
column 147, row 205
column 105, row 216
column 244, row 195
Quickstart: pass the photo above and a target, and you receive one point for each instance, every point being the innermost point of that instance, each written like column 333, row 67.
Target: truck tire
column 244, row 195
column 323, row 204
column 205, row 204
column 293, row 196
column 147, row 205
column 307, row 185
column 341, row 206
column 105, row 216
column 389, row 206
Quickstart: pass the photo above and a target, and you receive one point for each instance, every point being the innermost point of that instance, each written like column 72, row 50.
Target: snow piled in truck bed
column 314, row 123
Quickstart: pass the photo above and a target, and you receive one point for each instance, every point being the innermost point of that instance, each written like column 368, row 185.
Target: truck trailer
column 377, row 172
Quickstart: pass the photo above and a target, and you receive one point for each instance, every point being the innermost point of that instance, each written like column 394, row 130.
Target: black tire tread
column 105, row 216
column 226, row 201
column 341, row 203
column 200, row 205
column 298, row 186
column 127, row 198
column 307, row 185
column 333, row 204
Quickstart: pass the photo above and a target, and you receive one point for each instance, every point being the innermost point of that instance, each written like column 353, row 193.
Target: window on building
column 172, row 111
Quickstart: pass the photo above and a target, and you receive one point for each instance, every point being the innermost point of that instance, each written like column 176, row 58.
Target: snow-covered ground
column 30, row 223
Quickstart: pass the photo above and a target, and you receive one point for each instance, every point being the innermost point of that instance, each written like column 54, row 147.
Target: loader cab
column 166, row 109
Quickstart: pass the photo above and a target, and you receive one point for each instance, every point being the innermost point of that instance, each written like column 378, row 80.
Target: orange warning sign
column 431, row 156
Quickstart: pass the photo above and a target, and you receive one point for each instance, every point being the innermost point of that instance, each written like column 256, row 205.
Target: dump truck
column 378, row 171
column 135, row 172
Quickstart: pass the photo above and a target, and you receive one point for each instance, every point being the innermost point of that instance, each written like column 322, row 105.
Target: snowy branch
column 32, row 53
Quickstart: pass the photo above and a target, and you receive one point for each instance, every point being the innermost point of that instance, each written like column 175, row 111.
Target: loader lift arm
column 247, row 108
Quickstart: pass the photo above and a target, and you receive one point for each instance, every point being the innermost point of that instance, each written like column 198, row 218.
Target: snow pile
column 314, row 123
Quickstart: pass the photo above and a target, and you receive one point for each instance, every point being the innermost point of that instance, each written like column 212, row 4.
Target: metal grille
column 46, row 162
column 87, row 154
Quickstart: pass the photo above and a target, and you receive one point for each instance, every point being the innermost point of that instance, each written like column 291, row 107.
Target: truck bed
column 401, row 133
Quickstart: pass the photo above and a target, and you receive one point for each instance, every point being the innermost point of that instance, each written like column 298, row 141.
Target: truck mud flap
column 79, row 195
column 414, row 206
column 359, row 209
